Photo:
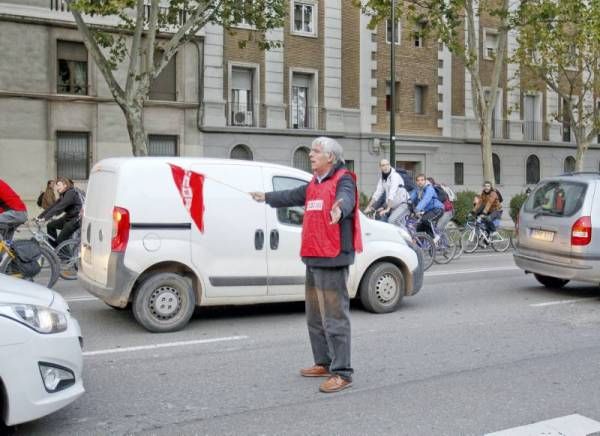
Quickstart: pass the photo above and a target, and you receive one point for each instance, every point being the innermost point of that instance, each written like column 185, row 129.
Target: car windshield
column 557, row 197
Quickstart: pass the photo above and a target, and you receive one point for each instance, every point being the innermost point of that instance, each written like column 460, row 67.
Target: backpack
column 28, row 253
column 81, row 195
column 450, row 192
column 409, row 185
column 441, row 193
column 500, row 199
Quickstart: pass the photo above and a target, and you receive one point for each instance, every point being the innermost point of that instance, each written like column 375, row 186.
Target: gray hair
column 332, row 147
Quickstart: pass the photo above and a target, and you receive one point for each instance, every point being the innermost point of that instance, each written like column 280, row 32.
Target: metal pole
column 393, row 88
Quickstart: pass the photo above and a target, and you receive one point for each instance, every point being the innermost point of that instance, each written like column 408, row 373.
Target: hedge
column 462, row 206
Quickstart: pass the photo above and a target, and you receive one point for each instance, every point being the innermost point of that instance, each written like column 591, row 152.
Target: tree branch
column 134, row 57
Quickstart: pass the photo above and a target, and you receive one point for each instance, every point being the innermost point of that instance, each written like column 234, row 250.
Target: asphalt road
column 480, row 349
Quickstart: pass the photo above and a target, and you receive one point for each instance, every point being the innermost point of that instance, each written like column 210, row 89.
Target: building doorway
column 412, row 167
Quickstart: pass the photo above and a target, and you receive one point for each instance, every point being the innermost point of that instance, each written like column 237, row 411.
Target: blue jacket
column 427, row 201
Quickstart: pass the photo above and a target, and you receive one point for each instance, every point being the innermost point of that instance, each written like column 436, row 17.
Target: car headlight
column 39, row 318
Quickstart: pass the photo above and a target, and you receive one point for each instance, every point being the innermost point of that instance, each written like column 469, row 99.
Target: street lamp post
column 393, row 87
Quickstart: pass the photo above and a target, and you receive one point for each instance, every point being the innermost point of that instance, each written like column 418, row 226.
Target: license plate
column 542, row 235
column 87, row 254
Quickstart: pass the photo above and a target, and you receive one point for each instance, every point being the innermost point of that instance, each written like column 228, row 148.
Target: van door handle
column 259, row 239
column 274, row 239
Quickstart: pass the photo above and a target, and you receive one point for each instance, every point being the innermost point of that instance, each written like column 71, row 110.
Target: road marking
column 164, row 345
column 554, row 303
column 470, row 271
column 82, row 298
column 570, row 425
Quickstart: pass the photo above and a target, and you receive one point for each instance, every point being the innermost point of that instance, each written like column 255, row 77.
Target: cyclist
column 489, row 207
column 427, row 205
column 390, row 196
column 70, row 203
column 13, row 211
column 447, row 199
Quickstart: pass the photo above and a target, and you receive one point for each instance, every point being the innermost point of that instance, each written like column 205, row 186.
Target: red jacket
column 9, row 199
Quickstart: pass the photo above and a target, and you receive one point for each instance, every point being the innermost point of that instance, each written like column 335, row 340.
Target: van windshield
column 559, row 198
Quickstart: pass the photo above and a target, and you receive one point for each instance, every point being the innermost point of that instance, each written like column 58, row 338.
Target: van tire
column 176, row 294
column 382, row 288
column 551, row 282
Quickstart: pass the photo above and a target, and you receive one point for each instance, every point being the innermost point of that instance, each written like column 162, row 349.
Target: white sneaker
column 436, row 238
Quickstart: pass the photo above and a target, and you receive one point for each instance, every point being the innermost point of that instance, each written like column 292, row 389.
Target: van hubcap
column 165, row 302
column 386, row 288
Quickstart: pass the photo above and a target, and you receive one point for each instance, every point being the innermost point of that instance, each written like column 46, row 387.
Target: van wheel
column 164, row 302
column 551, row 282
column 382, row 288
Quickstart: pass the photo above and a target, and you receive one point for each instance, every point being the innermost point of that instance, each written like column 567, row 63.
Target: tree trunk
column 486, row 153
column 582, row 146
column 134, row 114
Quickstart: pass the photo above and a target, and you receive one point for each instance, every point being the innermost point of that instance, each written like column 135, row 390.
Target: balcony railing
column 242, row 114
column 303, row 117
column 59, row 6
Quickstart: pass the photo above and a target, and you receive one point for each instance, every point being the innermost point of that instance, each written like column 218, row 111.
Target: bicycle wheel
column 500, row 241
column 469, row 240
column 454, row 235
column 68, row 256
column 445, row 249
column 425, row 243
column 48, row 274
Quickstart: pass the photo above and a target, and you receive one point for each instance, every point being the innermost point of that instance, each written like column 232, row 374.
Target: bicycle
column 421, row 239
column 476, row 235
column 39, row 265
column 67, row 252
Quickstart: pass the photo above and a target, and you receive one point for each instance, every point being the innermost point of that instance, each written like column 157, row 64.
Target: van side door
column 284, row 226
column 231, row 253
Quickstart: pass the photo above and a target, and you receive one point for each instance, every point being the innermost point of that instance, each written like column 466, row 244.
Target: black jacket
column 345, row 190
column 69, row 203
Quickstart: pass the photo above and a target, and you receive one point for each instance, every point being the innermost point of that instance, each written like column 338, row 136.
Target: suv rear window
column 557, row 197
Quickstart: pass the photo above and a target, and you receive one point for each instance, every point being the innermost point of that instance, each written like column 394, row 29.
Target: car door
column 284, row 224
column 230, row 253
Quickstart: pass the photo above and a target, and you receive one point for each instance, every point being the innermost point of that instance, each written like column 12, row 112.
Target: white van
column 141, row 247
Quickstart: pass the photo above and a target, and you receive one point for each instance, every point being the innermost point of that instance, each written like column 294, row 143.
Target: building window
column 532, row 175
column 241, row 152
column 491, row 43
column 73, row 155
column 350, row 164
column 420, row 96
column 532, row 124
column 302, row 160
column 164, row 87
column 304, row 17
column 241, row 110
column 388, row 32
column 72, row 77
column 569, row 164
column 162, row 145
column 303, row 114
column 459, row 173
column 496, row 165
column 418, row 35
column 388, row 96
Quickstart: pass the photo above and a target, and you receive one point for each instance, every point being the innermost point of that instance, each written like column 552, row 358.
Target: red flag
column 191, row 187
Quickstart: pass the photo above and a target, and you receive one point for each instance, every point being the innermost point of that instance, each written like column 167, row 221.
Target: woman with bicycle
column 70, row 203
column 427, row 205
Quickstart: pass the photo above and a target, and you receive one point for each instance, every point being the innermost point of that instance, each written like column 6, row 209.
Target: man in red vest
column 330, row 237
column 13, row 211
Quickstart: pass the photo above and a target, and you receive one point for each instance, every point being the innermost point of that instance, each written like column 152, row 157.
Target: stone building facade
column 331, row 77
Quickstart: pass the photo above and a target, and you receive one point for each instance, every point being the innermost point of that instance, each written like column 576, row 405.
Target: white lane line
column 82, row 298
column 557, row 302
column 571, row 425
column 470, row 271
column 164, row 345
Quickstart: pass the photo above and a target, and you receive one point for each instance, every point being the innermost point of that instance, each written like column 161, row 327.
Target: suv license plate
column 542, row 235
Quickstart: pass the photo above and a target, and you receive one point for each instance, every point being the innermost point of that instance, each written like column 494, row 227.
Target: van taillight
column 581, row 232
column 120, row 229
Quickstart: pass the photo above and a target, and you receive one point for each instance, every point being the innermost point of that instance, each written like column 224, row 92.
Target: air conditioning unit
column 242, row 118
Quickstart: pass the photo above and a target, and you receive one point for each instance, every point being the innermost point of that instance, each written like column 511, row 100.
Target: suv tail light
column 581, row 232
column 120, row 229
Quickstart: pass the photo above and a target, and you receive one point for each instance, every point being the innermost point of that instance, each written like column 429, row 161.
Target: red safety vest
column 319, row 237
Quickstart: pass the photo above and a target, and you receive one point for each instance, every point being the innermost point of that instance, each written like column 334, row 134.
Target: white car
column 40, row 352
column 166, row 234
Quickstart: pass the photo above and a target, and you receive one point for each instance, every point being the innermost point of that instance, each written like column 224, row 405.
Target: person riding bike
column 13, row 211
column 390, row 197
column 427, row 205
column 489, row 207
column 70, row 203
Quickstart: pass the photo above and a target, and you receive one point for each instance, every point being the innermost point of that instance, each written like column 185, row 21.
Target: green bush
column 462, row 206
column 363, row 200
column 515, row 205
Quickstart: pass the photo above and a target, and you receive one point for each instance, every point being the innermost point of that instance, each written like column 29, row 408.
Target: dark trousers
column 428, row 221
column 489, row 222
column 66, row 226
column 328, row 318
